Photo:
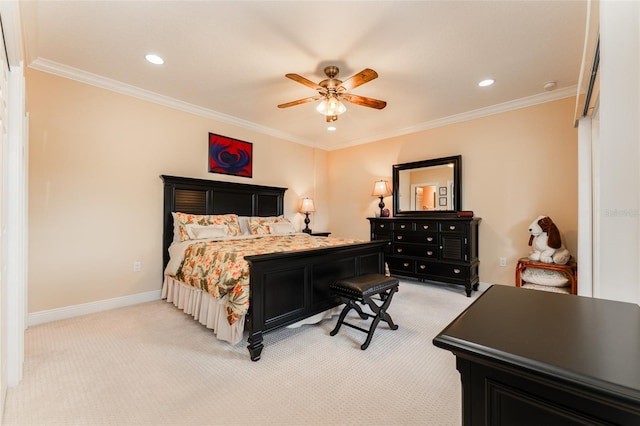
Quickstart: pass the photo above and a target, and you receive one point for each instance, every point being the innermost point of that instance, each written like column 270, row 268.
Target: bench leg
column 381, row 314
column 349, row 304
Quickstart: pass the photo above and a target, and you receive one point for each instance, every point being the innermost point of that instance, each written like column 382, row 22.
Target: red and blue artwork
column 230, row 156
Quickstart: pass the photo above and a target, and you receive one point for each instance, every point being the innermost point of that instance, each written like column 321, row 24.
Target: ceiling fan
column 332, row 91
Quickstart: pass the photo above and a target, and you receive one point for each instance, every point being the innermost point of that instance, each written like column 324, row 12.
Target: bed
column 285, row 287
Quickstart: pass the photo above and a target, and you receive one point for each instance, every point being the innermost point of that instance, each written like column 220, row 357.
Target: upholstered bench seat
column 360, row 289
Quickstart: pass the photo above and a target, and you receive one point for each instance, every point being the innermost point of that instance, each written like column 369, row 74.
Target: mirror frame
column 457, row 186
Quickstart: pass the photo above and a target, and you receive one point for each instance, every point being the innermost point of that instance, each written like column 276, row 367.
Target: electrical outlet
column 137, row 266
column 503, row 261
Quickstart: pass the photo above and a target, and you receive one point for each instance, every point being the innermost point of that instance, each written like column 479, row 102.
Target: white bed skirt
column 211, row 312
column 204, row 308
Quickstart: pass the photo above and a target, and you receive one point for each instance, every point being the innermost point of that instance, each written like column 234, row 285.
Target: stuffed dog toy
column 546, row 242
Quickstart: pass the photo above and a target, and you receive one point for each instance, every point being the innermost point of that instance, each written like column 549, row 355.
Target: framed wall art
column 442, row 201
column 230, row 156
column 443, row 190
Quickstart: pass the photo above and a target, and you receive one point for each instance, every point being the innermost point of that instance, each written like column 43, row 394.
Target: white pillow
column 282, row 228
column 176, row 228
column 244, row 225
column 545, row 277
column 198, row 232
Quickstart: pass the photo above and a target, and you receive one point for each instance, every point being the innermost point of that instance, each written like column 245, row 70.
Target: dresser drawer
column 443, row 270
column 416, row 237
column 397, row 264
column 451, row 226
column 382, row 226
column 401, row 225
column 382, row 235
column 416, row 250
column 426, row 225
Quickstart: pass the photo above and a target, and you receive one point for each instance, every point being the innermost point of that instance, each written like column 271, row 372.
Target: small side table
column 321, row 234
column 570, row 270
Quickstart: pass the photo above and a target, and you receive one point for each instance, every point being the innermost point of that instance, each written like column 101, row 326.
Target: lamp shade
column 307, row 206
column 381, row 189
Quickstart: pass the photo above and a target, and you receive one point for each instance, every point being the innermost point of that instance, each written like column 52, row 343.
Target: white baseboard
column 42, row 317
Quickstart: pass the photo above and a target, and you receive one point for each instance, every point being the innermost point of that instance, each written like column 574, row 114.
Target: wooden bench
column 361, row 289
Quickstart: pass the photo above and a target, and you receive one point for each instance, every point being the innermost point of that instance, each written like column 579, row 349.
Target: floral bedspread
column 219, row 268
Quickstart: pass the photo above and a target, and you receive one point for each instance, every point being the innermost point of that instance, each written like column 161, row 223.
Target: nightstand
column 320, row 234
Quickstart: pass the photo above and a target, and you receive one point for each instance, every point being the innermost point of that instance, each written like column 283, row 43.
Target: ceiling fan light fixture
column 331, row 106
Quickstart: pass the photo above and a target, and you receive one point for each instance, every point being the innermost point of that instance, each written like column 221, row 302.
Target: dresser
column 438, row 249
column 530, row 357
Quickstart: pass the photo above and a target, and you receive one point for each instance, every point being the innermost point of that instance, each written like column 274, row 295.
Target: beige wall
column 515, row 166
column 95, row 196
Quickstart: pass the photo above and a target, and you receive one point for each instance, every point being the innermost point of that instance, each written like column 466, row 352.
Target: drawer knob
column 403, row 226
column 399, row 250
column 399, row 237
column 452, row 227
column 429, row 253
column 429, row 239
column 425, row 226
column 382, row 225
column 406, row 265
column 423, row 267
column 456, row 271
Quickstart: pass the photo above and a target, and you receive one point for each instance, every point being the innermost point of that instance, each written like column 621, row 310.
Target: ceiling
column 227, row 59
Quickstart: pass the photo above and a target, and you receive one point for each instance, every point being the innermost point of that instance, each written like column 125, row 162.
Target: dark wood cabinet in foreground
column 530, row 357
column 435, row 249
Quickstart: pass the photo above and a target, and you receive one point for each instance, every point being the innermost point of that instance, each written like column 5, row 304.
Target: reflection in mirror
column 427, row 186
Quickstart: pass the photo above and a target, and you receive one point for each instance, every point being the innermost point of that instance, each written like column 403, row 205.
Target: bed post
column 256, row 313
column 255, row 345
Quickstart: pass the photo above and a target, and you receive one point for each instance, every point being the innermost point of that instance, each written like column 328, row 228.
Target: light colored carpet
column 151, row 364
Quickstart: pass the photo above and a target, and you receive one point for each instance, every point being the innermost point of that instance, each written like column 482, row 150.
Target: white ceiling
column 227, row 59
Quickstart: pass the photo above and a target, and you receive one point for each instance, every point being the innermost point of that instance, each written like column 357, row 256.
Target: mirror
column 427, row 187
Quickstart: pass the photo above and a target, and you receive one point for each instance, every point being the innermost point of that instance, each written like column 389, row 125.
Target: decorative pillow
column 282, row 228
column 229, row 220
column 260, row 225
column 544, row 277
column 198, row 232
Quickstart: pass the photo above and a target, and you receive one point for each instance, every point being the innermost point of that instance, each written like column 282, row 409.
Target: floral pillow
column 184, row 219
column 260, row 225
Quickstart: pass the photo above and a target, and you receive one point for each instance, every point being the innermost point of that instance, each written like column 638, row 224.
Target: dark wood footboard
column 291, row 286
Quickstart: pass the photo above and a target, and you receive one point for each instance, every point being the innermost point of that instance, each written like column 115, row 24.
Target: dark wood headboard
column 201, row 196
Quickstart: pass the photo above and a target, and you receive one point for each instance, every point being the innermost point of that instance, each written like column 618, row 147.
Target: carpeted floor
column 151, row 364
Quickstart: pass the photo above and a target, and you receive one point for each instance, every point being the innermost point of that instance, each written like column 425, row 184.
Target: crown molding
column 96, row 80
column 76, row 74
column 528, row 101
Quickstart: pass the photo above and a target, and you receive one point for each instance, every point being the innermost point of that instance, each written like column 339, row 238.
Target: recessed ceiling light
column 154, row 59
column 331, row 128
column 487, row 82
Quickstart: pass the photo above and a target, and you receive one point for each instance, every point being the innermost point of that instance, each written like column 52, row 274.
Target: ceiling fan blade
column 300, row 79
column 359, row 79
column 364, row 101
column 300, row 101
